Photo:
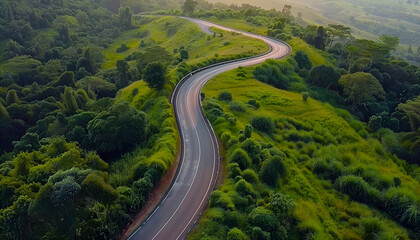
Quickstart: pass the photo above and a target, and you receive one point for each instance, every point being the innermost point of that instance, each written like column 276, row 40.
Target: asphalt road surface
column 197, row 173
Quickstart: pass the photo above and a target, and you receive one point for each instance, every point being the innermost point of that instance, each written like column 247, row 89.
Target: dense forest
column 61, row 126
column 82, row 145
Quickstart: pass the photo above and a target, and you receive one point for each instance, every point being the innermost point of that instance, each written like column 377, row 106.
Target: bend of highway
column 197, row 173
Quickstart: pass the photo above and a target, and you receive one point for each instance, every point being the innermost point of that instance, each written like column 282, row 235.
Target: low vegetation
column 301, row 169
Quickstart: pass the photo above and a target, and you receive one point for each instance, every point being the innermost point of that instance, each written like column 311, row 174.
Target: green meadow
column 321, row 147
column 171, row 33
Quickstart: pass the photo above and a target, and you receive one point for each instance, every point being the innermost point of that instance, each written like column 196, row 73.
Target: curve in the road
column 197, row 173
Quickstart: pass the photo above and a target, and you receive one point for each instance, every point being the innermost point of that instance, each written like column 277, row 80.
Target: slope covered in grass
column 333, row 181
column 172, row 33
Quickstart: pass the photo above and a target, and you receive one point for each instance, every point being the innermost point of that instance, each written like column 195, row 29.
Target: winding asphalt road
column 197, row 174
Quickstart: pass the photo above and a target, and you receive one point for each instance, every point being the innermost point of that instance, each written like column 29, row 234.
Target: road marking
column 195, row 174
column 275, row 49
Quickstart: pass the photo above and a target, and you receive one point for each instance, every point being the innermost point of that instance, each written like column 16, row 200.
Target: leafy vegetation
column 317, row 174
column 83, row 141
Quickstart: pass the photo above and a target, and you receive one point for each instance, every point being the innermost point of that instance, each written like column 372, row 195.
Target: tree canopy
column 154, row 75
column 360, row 88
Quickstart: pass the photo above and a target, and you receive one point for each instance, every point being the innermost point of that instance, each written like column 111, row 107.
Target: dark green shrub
column 305, row 96
column 263, row 124
column 397, row 181
column 225, row 137
column 184, row 54
column 135, row 92
column 225, row 96
column 277, row 74
column 219, row 199
column 253, row 149
column 375, row 122
column 282, row 205
column 258, row 234
column 264, row 219
column 240, row 157
column 237, row 107
column 324, row 76
column 236, row 234
column 248, row 130
column 357, row 189
column 250, row 176
column 272, row 169
column 233, row 170
column 303, row 60
column 327, row 169
column 122, row 48
column 232, row 141
column 254, row 103
column 241, row 74
column 244, row 188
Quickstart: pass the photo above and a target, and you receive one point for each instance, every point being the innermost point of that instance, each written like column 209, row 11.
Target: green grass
column 240, row 24
column 320, row 209
column 162, row 147
column 171, row 33
column 316, row 56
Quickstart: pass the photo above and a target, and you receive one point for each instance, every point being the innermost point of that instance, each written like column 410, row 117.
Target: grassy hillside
column 319, row 147
column 171, row 33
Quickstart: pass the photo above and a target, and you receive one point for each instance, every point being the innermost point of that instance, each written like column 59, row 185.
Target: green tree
column 283, row 206
column 360, row 88
column 118, row 129
column 12, row 97
column 390, row 42
column 82, row 18
column 65, row 79
column 96, row 188
column 3, row 112
column 122, row 70
column 125, row 15
column 22, row 163
column 264, row 219
column 287, row 11
column 29, row 142
column 340, row 31
column 375, row 122
column 154, row 75
column 100, row 87
column 53, row 69
column 303, row 60
column 236, row 234
column 412, row 110
column 324, row 76
column 184, row 54
column 69, row 101
column 320, row 38
column 64, row 33
column 94, row 57
column 9, row 14
column 189, row 6
column 410, row 50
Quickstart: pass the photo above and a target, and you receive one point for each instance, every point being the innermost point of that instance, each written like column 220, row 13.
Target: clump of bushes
column 122, row 48
column 225, row 96
column 237, row 107
column 263, row 124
